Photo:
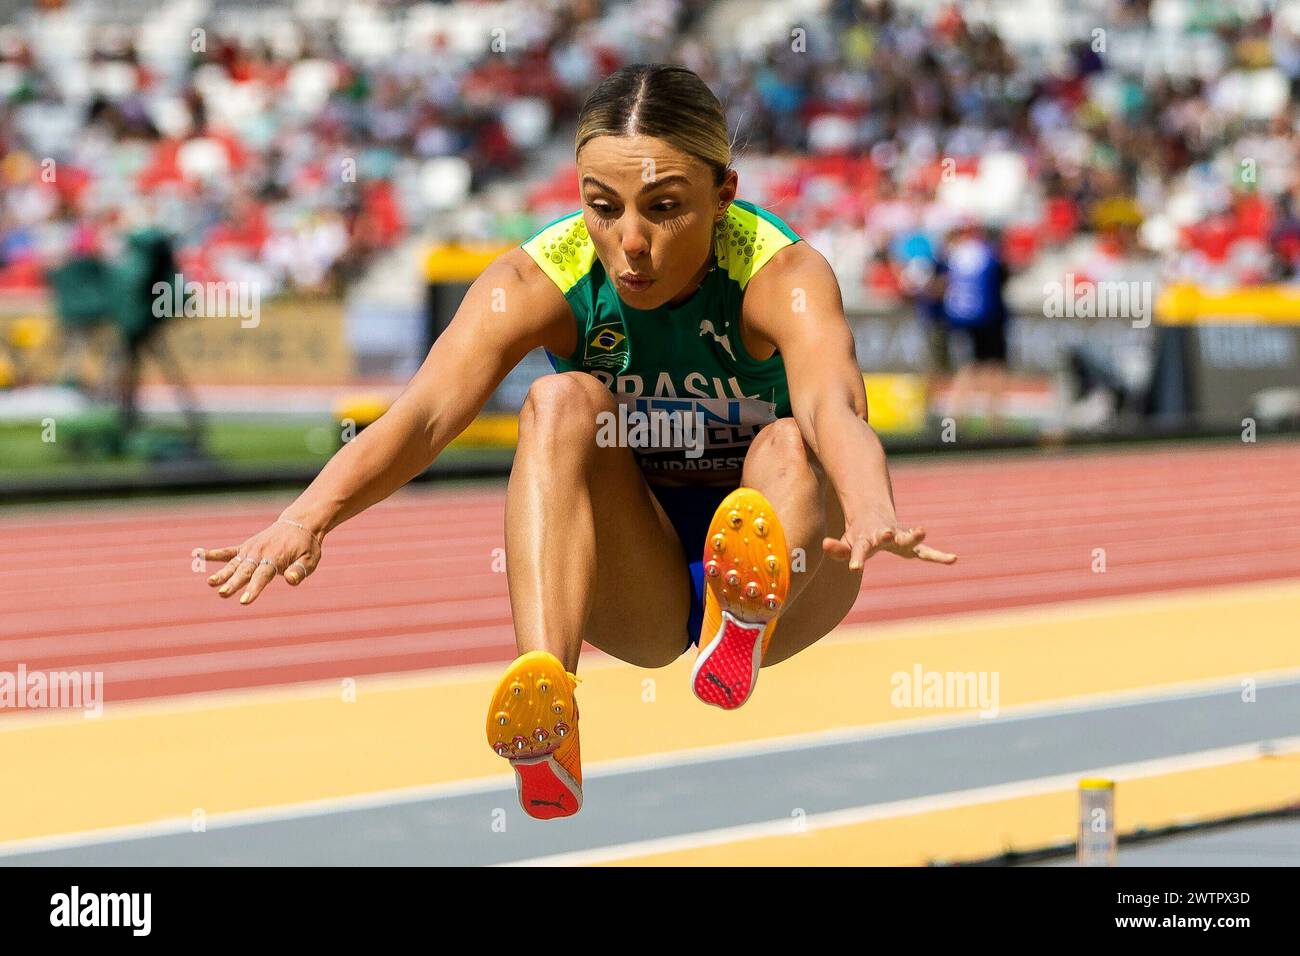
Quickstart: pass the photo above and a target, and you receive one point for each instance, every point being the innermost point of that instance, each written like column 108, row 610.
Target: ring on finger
column 247, row 560
column 266, row 561
column 302, row 568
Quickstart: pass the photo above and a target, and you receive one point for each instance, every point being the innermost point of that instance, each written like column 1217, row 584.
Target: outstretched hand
column 284, row 547
column 861, row 540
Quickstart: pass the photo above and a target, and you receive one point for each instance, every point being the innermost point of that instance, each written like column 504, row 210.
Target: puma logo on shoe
column 714, row 678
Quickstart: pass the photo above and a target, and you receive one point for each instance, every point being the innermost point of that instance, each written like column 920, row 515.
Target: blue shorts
column 690, row 509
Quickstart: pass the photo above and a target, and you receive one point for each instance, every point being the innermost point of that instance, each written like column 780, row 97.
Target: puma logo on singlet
column 558, row 804
column 706, row 328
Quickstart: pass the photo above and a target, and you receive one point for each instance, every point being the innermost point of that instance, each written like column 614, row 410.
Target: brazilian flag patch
column 606, row 348
column 606, row 339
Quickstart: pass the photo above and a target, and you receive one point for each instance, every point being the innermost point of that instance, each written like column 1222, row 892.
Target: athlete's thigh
column 822, row 604
column 640, row 599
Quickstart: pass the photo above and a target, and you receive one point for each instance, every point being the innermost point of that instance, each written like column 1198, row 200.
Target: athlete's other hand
column 283, row 547
column 863, row 539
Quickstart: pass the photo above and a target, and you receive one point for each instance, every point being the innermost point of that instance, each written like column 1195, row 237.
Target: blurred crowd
column 288, row 151
column 291, row 150
column 1144, row 139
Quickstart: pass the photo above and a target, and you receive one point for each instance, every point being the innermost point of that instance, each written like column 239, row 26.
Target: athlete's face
column 650, row 210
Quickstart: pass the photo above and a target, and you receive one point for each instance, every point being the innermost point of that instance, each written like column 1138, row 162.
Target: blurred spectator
column 974, row 304
column 924, row 278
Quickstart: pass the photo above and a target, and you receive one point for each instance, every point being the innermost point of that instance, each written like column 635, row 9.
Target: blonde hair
column 664, row 101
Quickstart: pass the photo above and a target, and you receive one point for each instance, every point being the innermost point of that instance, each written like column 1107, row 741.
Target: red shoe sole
column 532, row 717
column 746, row 572
column 546, row 790
column 727, row 669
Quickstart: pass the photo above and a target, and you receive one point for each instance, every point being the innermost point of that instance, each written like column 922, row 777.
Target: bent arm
column 827, row 394
column 510, row 309
column 829, row 402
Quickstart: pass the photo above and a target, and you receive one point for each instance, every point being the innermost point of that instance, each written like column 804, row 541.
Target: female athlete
column 665, row 301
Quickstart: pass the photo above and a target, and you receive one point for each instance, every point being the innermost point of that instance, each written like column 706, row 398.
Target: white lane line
column 1084, row 703
column 626, row 765
column 912, row 806
column 175, row 826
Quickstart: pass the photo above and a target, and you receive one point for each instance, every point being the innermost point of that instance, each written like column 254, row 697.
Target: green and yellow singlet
column 686, row 359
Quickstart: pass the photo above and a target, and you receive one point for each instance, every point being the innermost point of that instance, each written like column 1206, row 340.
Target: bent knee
column 779, row 443
column 565, row 403
column 782, row 437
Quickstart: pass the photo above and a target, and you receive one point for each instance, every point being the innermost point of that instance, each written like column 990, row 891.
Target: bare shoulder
column 797, row 279
column 796, row 273
column 797, row 261
column 519, row 291
column 516, row 268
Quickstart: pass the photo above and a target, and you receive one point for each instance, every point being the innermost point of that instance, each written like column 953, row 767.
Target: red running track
column 410, row 585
